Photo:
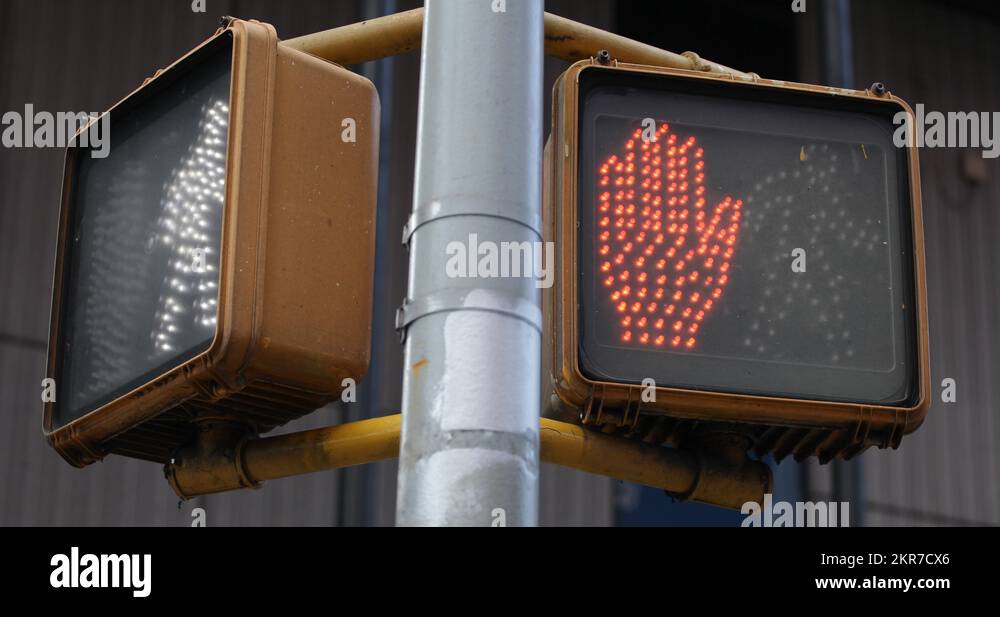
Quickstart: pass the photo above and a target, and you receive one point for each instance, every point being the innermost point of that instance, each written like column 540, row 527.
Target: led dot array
column 664, row 254
column 812, row 206
column 189, row 229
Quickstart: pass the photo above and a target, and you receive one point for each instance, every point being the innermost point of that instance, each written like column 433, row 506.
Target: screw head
column 604, row 56
column 878, row 88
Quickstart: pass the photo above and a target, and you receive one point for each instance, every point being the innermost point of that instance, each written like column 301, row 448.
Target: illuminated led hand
column 663, row 256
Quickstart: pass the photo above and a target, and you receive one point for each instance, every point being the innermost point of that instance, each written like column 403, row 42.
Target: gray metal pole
column 469, row 450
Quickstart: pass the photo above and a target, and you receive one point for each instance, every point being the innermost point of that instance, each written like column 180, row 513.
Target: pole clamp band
column 434, row 210
column 473, row 299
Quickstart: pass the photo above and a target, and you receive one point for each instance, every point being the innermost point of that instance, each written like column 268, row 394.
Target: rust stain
column 419, row 365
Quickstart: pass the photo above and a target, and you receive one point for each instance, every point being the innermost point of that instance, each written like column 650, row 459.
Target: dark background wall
column 84, row 55
column 79, row 55
column 947, row 56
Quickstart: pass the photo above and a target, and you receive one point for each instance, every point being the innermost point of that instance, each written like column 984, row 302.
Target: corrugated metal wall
column 83, row 56
column 949, row 471
column 76, row 55
column 79, row 55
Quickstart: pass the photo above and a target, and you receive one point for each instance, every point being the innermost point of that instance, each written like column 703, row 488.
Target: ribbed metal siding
column 949, row 471
column 79, row 55
column 82, row 55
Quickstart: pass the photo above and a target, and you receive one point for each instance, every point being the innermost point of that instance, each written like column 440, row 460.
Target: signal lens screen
column 755, row 245
column 142, row 255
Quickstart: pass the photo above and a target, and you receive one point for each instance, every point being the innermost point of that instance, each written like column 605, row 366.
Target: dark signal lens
column 756, row 245
column 143, row 254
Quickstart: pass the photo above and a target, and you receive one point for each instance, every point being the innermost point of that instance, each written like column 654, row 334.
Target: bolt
column 878, row 88
column 604, row 56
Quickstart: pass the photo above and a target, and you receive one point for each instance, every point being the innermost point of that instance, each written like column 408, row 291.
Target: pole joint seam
column 518, row 445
